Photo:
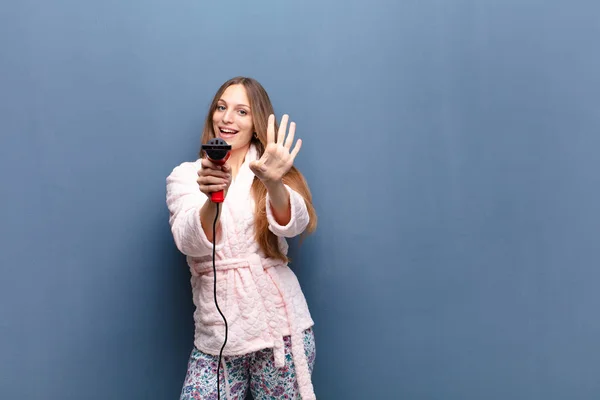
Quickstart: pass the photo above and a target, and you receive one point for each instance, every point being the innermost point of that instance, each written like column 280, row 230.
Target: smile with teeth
column 228, row 132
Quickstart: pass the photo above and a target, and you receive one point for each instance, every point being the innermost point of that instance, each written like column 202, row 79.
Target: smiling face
column 238, row 114
column 232, row 119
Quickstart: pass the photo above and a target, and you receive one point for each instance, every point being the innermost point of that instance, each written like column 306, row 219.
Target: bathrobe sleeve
column 299, row 216
column 184, row 201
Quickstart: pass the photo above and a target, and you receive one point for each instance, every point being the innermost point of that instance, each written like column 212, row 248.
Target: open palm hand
column 278, row 156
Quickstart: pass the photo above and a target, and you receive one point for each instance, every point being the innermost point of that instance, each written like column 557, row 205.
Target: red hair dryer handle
column 217, row 151
column 219, row 196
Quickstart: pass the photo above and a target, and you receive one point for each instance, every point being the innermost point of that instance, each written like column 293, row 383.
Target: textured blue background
column 451, row 146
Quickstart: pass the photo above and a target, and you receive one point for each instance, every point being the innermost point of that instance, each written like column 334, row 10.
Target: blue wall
column 452, row 148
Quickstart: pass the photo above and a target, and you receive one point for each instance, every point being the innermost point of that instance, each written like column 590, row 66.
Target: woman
column 270, row 343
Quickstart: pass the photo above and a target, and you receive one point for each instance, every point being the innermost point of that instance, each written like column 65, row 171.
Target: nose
column 228, row 116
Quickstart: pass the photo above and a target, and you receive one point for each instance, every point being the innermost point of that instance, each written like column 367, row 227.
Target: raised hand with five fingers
column 278, row 156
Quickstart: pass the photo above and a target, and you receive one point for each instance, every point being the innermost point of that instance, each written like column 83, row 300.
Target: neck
column 236, row 159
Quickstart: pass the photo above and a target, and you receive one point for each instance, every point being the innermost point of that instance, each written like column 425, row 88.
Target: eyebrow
column 242, row 105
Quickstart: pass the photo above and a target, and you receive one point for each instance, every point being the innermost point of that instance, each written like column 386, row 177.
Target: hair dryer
column 218, row 151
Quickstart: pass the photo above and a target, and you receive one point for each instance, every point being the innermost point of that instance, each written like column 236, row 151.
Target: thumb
column 257, row 165
column 254, row 166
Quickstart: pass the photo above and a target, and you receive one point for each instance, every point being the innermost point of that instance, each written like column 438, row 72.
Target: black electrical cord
column 216, row 303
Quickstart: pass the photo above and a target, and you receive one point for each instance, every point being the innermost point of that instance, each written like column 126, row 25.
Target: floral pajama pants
column 255, row 371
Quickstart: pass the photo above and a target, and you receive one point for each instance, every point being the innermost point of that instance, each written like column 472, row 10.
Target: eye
column 243, row 112
column 221, row 108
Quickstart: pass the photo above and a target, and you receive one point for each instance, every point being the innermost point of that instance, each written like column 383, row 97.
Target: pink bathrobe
column 260, row 297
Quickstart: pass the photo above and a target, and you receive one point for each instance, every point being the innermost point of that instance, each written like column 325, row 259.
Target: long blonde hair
column 261, row 107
